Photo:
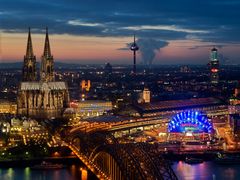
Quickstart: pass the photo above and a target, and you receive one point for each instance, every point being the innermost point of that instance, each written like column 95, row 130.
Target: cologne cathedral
column 41, row 97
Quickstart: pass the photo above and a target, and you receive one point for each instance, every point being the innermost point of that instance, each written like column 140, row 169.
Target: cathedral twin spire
column 47, row 72
column 29, row 52
column 29, row 67
column 47, row 50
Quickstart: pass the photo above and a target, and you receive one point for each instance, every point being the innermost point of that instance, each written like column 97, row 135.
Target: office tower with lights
column 214, row 66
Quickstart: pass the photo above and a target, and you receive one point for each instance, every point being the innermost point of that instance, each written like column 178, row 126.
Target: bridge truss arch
column 123, row 161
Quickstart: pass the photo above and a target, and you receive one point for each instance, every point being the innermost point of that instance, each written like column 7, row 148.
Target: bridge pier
column 84, row 174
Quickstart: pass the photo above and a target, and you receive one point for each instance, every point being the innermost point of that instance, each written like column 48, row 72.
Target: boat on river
column 47, row 166
column 227, row 159
column 193, row 160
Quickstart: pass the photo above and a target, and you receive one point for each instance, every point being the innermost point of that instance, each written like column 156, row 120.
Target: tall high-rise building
column 214, row 66
column 29, row 65
column 47, row 69
column 44, row 98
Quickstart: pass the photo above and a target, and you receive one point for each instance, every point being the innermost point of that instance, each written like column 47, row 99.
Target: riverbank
column 20, row 169
column 206, row 156
column 68, row 160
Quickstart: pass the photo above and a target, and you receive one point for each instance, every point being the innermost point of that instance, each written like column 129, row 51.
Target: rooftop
column 108, row 118
column 43, row 86
column 178, row 104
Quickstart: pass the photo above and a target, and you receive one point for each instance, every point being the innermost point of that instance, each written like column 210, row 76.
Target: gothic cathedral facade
column 41, row 97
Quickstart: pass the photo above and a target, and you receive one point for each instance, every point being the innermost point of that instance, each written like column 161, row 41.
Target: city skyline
column 176, row 33
column 119, row 90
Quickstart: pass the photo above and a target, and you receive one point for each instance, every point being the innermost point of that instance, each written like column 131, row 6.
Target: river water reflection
column 72, row 172
column 206, row 171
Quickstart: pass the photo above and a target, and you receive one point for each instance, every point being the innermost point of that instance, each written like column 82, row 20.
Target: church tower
column 44, row 98
column 47, row 70
column 29, row 65
column 146, row 95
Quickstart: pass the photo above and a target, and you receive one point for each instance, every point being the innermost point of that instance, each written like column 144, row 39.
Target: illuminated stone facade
column 45, row 98
column 146, row 95
column 91, row 108
column 7, row 107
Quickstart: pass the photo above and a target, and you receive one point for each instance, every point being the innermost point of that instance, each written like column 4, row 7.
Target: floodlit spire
column 47, row 50
column 47, row 70
column 29, row 66
column 29, row 51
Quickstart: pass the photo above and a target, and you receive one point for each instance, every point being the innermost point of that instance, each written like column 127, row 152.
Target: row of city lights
column 90, row 165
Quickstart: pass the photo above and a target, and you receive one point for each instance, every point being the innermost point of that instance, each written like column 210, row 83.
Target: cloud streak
column 82, row 23
column 206, row 22
column 164, row 27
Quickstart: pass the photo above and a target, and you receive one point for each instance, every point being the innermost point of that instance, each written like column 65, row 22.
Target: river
column 72, row 172
column 205, row 171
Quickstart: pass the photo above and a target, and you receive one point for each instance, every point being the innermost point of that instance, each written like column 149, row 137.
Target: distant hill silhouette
column 18, row 65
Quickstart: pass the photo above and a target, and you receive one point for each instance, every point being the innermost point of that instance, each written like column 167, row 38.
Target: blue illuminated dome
column 190, row 121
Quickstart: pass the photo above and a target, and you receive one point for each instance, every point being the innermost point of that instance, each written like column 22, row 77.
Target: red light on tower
column 214, row 70
column 214, row 66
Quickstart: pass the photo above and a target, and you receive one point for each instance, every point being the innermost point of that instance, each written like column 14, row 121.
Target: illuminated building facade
column 234, row 101
column 85, row 88
column 7, row 107
column 190, row 125
column 190, row 121
column 91, row 108
column 29, row 66
column 85, row 85
column 146, row 95
column 47, row 64
column 45, row 98
column 214, row 66
column 235, row 98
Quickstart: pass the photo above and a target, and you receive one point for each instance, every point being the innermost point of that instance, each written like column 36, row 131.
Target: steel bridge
column 100, row 151
column 108, row 159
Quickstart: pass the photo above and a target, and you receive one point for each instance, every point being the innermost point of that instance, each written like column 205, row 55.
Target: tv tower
column 134, row 48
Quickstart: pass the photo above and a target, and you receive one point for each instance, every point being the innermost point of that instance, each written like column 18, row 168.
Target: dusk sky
column 98, row 31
